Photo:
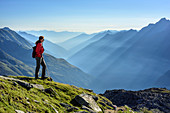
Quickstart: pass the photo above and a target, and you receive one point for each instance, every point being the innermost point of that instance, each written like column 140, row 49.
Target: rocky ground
column 155, row 99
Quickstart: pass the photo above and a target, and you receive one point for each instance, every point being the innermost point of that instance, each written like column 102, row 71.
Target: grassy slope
column 15, row 97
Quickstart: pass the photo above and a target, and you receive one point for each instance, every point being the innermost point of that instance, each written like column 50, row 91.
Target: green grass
column 18, row 98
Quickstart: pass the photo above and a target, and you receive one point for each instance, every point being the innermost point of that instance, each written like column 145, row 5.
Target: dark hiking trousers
column 38, row 62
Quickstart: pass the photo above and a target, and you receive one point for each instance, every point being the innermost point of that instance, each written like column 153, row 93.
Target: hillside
column 25, row 94
column 11, row 66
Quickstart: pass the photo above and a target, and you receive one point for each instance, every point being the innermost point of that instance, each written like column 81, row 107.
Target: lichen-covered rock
column 88, row 109
column 24, row 84
column 51, row 91
column 109, row 111
column 69, row 107
column 88, row 101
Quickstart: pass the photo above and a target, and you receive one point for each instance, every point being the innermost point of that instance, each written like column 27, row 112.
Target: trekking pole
column 47, row 72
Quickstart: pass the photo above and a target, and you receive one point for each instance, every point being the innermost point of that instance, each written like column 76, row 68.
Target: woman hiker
column 39, row 58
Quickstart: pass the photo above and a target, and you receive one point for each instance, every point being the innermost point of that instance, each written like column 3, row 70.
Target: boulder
column 69, row 107
column 51, row 91
column 26, row 85
column 88, row 101
column 88, row 109
column 65, row 105
column 95, row 98
column 38, row 86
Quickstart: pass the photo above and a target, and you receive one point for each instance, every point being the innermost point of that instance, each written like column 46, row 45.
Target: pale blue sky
column 81, row 15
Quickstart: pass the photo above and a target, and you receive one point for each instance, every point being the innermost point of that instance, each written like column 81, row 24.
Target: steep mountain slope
column 71, row 43
column 82, row 45
column 11, row 66
column 13, row 36
column 12, row 46
column 96, row 52
column 143, row 62
column 18, row 57
column 163, row 81
column 51, row 48
column 55, row 37
column 124, row 60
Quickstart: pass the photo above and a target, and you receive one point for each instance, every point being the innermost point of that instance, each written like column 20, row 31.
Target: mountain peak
column 6, row 28
column 163, row 20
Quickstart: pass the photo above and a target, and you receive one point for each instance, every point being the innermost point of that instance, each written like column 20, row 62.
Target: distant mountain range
column 53, row 36
column 127, row 59
column 83, row 44
column 71, row 43
column 50, row 47
column 16, row 59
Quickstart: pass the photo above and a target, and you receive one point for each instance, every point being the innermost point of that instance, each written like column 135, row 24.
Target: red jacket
column 39, row 50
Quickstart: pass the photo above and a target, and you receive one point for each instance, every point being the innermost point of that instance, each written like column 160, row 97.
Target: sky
column 81, row 15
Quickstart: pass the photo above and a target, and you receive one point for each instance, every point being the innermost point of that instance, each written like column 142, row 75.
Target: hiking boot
column 36, row 78
column 43, row 78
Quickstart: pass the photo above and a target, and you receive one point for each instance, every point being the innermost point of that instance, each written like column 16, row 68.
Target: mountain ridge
column 134, row 60
column 54, row 36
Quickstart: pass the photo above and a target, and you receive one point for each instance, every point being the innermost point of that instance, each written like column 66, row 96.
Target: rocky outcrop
column 153, row 98
column 51, row 91
column 69, row 107
column 87, row 102
column 24, row 84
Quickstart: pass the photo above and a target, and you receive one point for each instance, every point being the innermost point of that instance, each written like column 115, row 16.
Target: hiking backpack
column 33, row 52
